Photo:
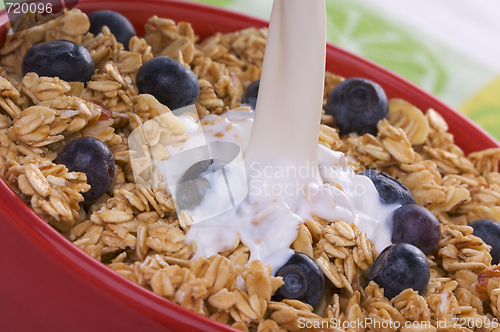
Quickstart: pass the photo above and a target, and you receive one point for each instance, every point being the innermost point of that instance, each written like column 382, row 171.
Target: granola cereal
column 134, row 228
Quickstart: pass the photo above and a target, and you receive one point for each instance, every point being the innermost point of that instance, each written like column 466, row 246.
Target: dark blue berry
column 303, row 280
column 489, row 232
column 389, row 189
column 118, row 24
column 357, row 105
column 194, row 183
column 169, row 81
column 398, row 267
column 416, row 225
column 249, row 96
column 69, row 61
column 92, row 157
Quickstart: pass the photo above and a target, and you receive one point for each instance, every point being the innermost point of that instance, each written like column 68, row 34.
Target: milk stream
column 287, row 176
column 288, row 110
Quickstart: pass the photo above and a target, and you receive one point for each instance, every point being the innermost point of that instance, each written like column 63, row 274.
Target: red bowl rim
column 143, row 300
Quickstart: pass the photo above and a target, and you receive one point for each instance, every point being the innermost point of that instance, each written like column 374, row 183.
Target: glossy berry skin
column 169, row 81
column 92, row 157
column 489, row 232
column 249, row 96
column 303, row 280
column 416, row 225
column 69, row 61
column 193, row 185
column 390, row 190
column 357, row 105
column 398, row 267
column 118, row 24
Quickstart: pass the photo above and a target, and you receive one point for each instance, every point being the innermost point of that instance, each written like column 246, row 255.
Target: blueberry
column 118, row 24
column 194, row 185
column 249, row 96
column 398, row 267
column 169, row 81
column 357, row 105
column 92, row 157
column 69, row 61
column 303, row 280
column 489, row 232
column 389, row 189
column 416, row 225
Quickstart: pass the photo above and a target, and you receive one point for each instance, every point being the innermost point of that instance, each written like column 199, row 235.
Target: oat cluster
column 135, row 231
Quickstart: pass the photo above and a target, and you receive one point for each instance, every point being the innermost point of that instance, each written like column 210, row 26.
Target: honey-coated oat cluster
column 134, row 229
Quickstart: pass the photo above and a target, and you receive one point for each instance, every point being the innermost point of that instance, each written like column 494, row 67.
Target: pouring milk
column 273, row 173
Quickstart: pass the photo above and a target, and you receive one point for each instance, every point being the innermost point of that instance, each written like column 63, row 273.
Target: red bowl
column 48, row 284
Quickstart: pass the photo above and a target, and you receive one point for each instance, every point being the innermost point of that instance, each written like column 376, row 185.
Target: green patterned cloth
column 366, row 28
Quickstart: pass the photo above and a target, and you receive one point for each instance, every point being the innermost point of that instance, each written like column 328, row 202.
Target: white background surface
column 469, row 26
